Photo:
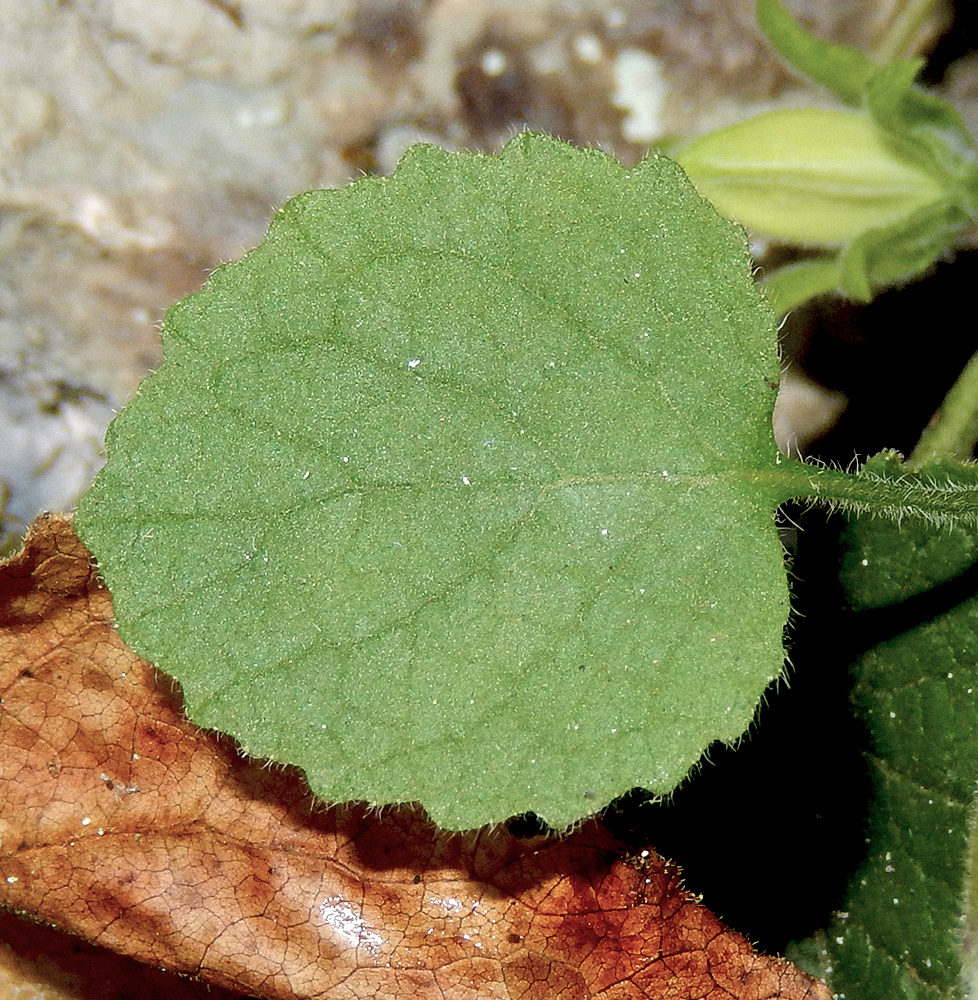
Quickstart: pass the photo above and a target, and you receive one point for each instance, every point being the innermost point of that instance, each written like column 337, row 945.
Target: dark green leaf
column 901, row 928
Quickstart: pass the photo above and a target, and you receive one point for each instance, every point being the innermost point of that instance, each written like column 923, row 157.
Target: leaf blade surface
column 444, row 492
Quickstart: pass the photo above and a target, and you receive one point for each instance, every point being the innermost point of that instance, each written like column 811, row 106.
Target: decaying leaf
column 127, row 825
column 44, row 963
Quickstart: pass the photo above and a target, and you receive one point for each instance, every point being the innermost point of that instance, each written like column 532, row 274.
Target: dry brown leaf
column 43, row 963
column 125, row 824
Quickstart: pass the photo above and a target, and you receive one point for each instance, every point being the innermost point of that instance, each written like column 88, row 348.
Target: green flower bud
column 808, row 175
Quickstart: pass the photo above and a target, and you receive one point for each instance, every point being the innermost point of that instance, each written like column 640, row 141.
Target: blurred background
column 142, row 145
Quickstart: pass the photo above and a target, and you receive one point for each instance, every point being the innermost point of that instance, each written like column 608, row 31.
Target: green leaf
column 900, row 931
column 841, row 69
column 789, row 286
column 459, row 488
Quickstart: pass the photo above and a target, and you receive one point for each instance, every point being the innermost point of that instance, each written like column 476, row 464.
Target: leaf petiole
column 887, row 488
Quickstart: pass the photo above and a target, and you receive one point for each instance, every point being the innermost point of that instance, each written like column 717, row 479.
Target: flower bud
column 808, row 175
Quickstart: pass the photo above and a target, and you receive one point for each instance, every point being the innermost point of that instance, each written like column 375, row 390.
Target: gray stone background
column 142, row 144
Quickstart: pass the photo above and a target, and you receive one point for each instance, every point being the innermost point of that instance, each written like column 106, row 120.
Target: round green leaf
column 448, row 492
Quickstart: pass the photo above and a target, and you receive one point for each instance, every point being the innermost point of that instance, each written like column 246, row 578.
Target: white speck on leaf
column 339, row 914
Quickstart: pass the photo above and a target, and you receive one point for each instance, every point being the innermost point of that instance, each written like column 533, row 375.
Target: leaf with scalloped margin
column 459, row 488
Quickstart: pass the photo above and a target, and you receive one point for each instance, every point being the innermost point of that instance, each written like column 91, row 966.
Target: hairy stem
column 937, row 500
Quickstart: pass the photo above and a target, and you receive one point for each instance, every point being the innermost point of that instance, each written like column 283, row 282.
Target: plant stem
column 955, row 431
column 904, row 27
column 894, row 496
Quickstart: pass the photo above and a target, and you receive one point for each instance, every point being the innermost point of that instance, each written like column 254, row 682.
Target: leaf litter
column 129, row 826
